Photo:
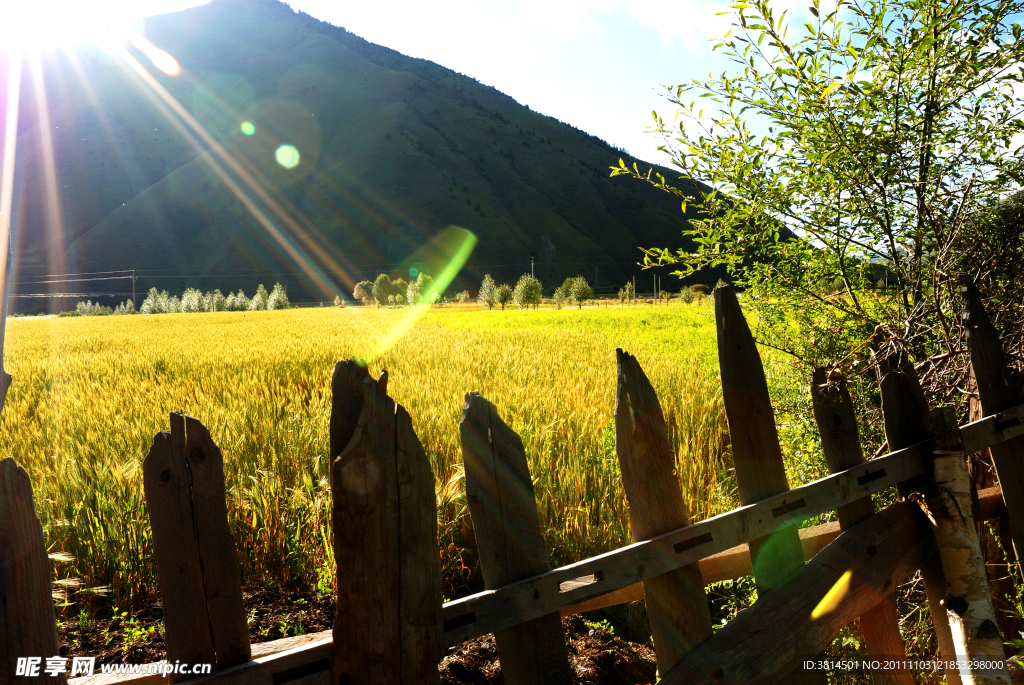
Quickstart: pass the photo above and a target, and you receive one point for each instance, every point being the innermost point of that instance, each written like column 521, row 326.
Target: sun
column 41, row 25
column 50, row 24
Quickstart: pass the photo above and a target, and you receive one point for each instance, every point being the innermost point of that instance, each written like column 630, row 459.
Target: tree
column 363, row 292
column 626, row 293
column 462, row 297
column 528, row 291
column 855, row 147
column 487, row 292
column 278, row 298
column 259, row 301
column 579, row 291
column 381, row 289
column 503, row 295
column 560, row 296
column 419, row 290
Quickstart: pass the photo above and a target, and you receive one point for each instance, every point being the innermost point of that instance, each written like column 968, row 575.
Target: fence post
column 183, row 479
column 676, row 604
column 756, row 453
column 510, row 540
column 387, row 629
column 995, row 395
column 964, row 620
column 28, row 627
column 840, row 442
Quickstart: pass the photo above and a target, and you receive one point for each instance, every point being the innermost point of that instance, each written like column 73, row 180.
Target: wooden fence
column 392, row 628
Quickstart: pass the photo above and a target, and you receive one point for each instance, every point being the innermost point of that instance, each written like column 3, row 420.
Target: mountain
column 185, row 178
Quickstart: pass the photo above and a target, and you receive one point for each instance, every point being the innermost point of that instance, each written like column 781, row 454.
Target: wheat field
column 89, row 393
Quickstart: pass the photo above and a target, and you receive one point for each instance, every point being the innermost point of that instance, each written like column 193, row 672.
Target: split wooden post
column 510, row 540
column 676, row 604
column 183, row 479
column 959, row 569
column 773, row 637
column 387, row 629
column 756, row 453
column 995, row 395
column 27, row 624
column 840, row 442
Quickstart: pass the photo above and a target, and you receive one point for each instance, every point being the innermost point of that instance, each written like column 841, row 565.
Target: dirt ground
column 595, row 655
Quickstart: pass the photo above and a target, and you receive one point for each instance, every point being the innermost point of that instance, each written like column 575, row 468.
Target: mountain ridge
column 392, row 150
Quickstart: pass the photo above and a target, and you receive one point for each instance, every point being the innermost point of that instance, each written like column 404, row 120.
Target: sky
column 595, row 64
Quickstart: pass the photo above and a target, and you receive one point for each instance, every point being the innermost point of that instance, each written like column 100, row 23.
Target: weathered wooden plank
column 906, row 421
column 221, row 584
column 183, row 478
column 165, row 479
column 386, row 625
column 996, row 395
column 840, row 442
column 27, row 624
column 510, row 540
column 771, row 639
column 676, row 604
column 756, row 453
column 728, row 565
column 314, row 659
column 421, row 599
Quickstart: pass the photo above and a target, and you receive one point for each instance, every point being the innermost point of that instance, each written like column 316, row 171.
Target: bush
column 463, row 297
column 503, row 295
column 700, row 289
column 487, row 292
column 527, row 292
column 278, row 298
column 687, row 295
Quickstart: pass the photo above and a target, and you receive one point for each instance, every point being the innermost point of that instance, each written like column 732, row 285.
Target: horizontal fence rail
column 505, row 606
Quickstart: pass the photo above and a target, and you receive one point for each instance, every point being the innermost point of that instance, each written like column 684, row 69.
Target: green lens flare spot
column 248, row 128
column 413, row 271
column 287, row 156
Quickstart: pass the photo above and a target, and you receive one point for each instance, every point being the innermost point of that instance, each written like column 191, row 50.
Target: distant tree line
column 192, row 300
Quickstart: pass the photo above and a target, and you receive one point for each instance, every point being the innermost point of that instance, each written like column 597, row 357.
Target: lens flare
column 287, row 156
column 447, row 253
column 162, row 60
column 833, row 597
column 248, row 128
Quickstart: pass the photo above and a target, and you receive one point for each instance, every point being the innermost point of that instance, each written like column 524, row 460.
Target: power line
column 78, row 280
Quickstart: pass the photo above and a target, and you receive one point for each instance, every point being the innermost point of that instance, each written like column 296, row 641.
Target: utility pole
column 133, row 288
column 531, row 268
column 634, row 291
